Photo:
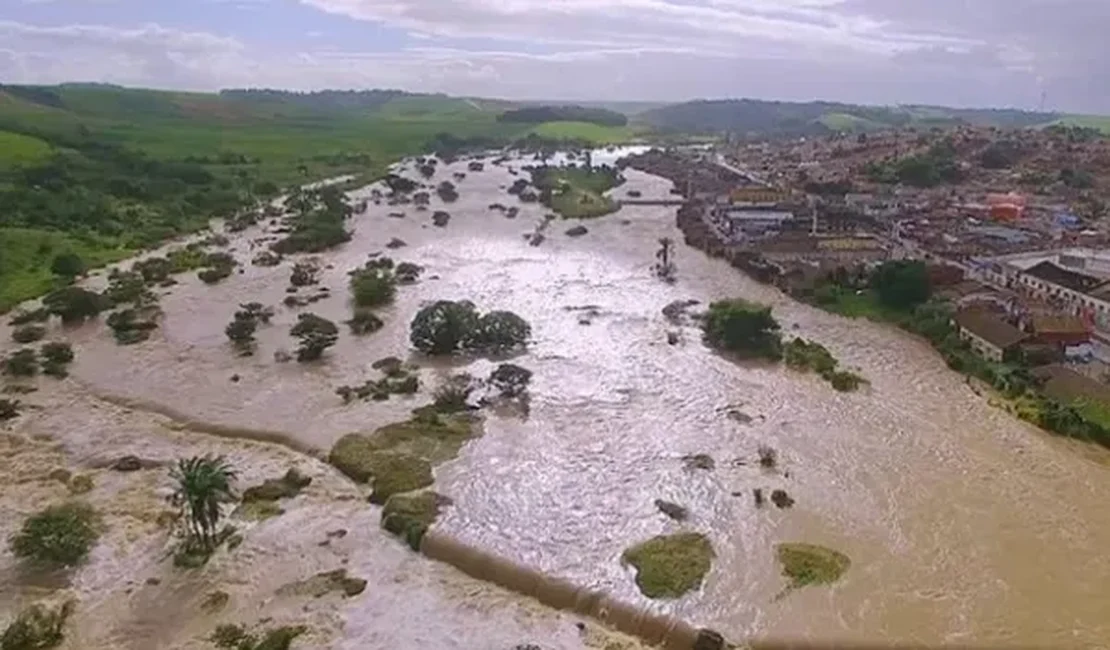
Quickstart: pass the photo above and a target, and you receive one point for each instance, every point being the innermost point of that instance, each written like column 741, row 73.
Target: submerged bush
column 452, row 396
column 28, row 333
column 409, row 516
column 37, row 628
column 60, row 535
column 316, row 335
column 363, row 322
column 372, row 287
column 40, row 315
column 57, row 352
column 75, row 305
column 214, row 274
column 130, row 326
column 9, row 409
column 407, row 272
column 499, row 331
column 128, row 287
column 304, row 274
column 22, row 363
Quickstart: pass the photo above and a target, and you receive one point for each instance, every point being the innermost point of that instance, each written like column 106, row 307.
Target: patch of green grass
column 17, row 149
column 669, row 566
column 848, row 122
column 26, row 255
column 809, row 564
column 1100, row 122
column 1097, row 412
column 589, row 132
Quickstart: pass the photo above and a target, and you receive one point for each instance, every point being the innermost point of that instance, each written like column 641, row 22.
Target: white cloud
column 993, row 52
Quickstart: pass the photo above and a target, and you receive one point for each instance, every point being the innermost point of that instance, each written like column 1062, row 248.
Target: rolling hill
column 757, row 118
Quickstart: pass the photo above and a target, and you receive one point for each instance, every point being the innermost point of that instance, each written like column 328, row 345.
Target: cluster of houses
column 1052, row 308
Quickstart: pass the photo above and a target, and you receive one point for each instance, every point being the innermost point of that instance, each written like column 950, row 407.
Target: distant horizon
column 1012, row 53
column 555, row 101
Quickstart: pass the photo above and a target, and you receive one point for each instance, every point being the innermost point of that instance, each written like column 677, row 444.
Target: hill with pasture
column 760, row 119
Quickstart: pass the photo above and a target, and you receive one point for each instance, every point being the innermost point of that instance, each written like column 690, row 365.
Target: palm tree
column 203, row 485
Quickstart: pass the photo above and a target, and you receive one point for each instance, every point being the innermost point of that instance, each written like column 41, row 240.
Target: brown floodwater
column 964, row 525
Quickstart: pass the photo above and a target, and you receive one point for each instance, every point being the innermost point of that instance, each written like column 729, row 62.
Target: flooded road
column 963, row 524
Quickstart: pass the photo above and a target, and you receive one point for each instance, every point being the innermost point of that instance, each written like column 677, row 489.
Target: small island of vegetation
column 669, row 566
column 809, row 564
column 577, row 192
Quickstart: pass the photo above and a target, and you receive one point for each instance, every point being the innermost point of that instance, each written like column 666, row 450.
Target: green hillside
column 19, row 149
column 761, row 119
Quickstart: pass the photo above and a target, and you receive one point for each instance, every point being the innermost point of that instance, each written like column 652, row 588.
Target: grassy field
column 846, row 122
column 19, row 149
column 1100, row 122
column 587, row 131
column 22, row 273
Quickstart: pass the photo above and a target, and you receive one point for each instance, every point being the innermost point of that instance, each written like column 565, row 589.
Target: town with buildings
column 1009, row 223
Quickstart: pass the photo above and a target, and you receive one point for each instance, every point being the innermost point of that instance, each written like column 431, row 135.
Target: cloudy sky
column 955, row 52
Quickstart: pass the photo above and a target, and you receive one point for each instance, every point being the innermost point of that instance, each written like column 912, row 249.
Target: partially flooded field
column 962, row 523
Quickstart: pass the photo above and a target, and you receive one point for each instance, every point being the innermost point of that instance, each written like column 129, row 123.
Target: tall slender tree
column 203, row 486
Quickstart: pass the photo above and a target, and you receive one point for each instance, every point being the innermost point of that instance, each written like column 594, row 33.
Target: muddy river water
column 964, row 525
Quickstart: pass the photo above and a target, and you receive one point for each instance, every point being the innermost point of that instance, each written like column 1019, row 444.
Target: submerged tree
column 510, row 380
column 743, row 328
column 316, row 334
column 203, row 486
column 664, row 263
column 444, row 327
column 75, row 305
column 68, row 266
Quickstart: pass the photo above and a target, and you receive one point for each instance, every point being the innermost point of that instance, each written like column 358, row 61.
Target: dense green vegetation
column 743, row 328
column 58, row 536
column 541, row 114
column 811, row 356
column 446, row 327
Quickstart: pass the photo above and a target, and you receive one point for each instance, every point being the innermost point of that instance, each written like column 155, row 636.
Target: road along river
column 963, row 524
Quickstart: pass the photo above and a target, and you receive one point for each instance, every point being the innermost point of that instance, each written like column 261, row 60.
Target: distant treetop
column 540, row 114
